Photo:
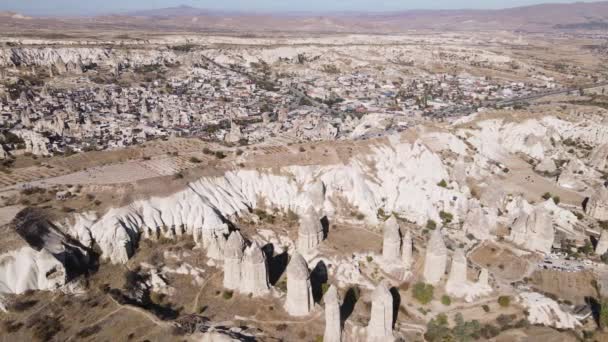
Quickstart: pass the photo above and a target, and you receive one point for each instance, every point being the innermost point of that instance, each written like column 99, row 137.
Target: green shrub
column 443, row 184
column 485, row 308
column 446, row 217
column 430, row 224
column 547, row 195
column 504, row 301
column 423, row 292
column 227, row 295
column 446, row 300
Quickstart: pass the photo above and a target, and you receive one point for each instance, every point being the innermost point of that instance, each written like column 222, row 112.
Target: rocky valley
column 407, row 186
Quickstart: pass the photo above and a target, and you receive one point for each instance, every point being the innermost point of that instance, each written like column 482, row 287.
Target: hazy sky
column 70, row 7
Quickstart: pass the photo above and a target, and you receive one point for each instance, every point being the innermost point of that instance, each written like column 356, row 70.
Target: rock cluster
column 602, row 244
column 477, row 224
column 245, row 271
column 254, row 271
column 380, row 327
column 299, row 301
column 435, row 258
column 597, row 206
column 458, row 284
column 310, row 233
column 534, row 231
column 394, row 250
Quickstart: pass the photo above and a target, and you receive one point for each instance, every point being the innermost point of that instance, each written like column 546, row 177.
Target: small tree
column 603, row 319
column 423, row 292
column 446, row 217
column 504, row 301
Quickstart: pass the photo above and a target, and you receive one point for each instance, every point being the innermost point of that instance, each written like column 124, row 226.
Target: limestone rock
column 233, row 255
column 597, row 206
column 235, row 133
column 534, row 231
column 215, row 249
column 459, row 286
column 333, row 322
column 299, row 301
column 380, row 327
column 602, row 244
column 477, row 224
column 254, row 271
column 435, row 258
column 546, row 165
column 458, row 272
column 391, row 246
column 599, row 157
column 310, row 233
column 406, row 251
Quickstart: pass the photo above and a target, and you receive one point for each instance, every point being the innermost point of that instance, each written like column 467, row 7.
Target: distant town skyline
column 79, row 7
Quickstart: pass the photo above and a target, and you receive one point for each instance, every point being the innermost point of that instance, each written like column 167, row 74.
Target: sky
column 93, row 7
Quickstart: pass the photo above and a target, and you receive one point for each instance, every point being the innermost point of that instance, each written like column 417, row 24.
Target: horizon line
column 134, row 12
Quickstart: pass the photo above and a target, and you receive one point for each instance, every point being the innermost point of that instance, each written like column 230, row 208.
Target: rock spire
column 391, row 246
column 299, row 300
column 333, row 323
column 435, row 258
column 380, row 327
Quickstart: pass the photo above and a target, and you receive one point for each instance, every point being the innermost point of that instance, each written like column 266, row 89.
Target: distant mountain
column 172, row 12
column 545, row 17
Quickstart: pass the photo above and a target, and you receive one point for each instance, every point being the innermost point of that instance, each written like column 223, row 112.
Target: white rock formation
column 435, row 258
column 35, row 143
column 546, row 165
column 380, row 327
column 310, row 233
column 602, row 244
column 27, row 269
column 597, row 206
column 299, row 300
column 254, row 271
column 404, row 181
column 391, row 245
column 459, row 286
column 534, row 231
column 233, row 258
column 546, row 311
column 333, row 321
column 477, row 224
column 457, row 278
column 406, row 251
column 215, row 249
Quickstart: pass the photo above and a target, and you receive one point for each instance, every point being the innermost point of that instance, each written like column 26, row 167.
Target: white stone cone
column 333, row 323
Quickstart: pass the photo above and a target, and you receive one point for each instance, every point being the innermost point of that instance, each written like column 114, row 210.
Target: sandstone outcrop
column 310, row 232
column 458, row 285
column 254, row 272
column 435, row 258
column 233, row 258
column 602, row 244
column 391, row 246
column 597, row 206
column 406, row 251
column 299, row 300
column 380, row 327
column 534, row 231
column 333, row 322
